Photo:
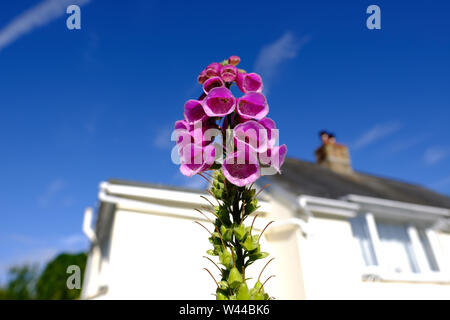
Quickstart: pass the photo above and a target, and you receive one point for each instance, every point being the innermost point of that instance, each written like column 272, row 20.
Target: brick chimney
column 334, row 156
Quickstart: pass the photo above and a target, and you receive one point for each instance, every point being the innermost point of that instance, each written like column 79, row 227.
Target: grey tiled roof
column 307, row 178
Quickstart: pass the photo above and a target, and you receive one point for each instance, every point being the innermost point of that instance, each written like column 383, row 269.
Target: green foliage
column 21, row 282
column 52, row 284
column 3, row 294
column 233, row 242
column 25, row 283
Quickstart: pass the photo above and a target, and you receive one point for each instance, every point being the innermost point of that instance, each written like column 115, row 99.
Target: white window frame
column 380, row 273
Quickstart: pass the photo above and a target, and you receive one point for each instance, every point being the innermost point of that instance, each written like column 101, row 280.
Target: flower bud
column 243, row 292
column 235, row 278
column 228, row 73
column 249, row 82
column 202, row 77
column 234, row 60
column 211, row 83
column 213, row 69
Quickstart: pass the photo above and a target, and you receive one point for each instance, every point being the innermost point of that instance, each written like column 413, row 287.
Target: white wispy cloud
column 73, row 241
column 162, row 138
column 408, row 143
column 50, row 192
column 376, row 133
column 274, row 54
column 435, row 154
column 41, row 14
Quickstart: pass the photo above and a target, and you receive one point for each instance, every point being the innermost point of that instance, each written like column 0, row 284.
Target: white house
column 338, row 234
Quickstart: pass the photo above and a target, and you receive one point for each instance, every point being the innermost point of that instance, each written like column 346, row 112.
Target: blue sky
column 81, row 106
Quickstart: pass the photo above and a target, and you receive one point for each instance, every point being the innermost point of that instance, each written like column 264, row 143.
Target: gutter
column 180, row 197
column 364, row 200
column 295, row 223
column 163, row 210
column 310, row 204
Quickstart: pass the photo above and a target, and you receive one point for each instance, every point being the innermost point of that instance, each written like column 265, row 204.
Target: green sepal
column 227, row 234
column 223, row 214
column 234, row 278
column 240, row 232
column 223, row 285
column 257, row 256
column 225, row 259
column 250, row 243
column 243, row 292
column 221, row 296
column 257, row 292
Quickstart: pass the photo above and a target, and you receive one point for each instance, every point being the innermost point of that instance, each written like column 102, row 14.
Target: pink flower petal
column 241, row 168
column 272, row 131
column 274, row 157
column 253, row 105
column 213, row 69
column 219, row 102
column 211, row 83
column 196, row 159
column 193, row 111
column 228, row 73
column 249, row 82
column 251, row 133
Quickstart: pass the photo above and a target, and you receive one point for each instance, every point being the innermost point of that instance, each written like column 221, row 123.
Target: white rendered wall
column 332, row 265
column 160, row 257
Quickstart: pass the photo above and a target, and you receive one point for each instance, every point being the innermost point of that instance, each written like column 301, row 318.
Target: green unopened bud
column 235, row 278
column 225, row 258
column 243, row 293
column 223, row 285
column 250, row 243
column 239, row 232
column 221, row 296
column 257, row 292
column 227, row 234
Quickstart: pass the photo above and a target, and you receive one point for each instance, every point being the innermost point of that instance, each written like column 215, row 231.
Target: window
column 361, row 233
column 394, row 247
column 426, row 246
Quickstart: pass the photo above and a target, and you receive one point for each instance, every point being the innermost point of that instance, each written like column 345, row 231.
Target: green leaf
column 257, row 256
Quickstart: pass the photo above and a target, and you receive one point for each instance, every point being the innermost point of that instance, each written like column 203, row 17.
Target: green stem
column 237, row 220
